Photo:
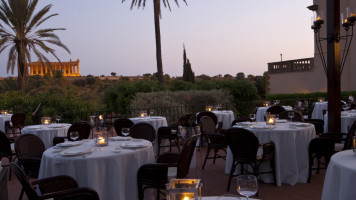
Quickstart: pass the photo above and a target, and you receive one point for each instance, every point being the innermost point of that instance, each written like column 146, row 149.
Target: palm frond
column 40, row 22
column 30, row 9
column 38, row 16
column 11, row 60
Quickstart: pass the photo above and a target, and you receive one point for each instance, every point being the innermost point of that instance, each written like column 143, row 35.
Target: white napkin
column 260, row 126
column 77, row 151
column 119, row 138
column 137, row 143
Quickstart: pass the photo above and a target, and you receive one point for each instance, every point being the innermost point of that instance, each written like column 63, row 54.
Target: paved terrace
column 215, row 182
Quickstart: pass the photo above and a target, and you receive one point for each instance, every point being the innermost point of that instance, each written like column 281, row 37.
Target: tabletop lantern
column 4, row 112
column 266, row 103
column 101, row 138
column 184, row 189
column 143, row 113
column 321, row 99
column 45, row 120
column 270, row 119
column 208, row 108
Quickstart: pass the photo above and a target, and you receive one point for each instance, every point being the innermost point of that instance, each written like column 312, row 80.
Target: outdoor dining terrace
column 287, row 138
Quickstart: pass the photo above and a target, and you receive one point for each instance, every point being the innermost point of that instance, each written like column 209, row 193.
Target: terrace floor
column 215, row 182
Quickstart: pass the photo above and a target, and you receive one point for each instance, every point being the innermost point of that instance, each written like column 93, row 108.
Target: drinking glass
column 74, row 135
column 125, row 132
column 247, row 185
column 252, row 117
column 291, row 115
column 58, row 118
column 151, row 112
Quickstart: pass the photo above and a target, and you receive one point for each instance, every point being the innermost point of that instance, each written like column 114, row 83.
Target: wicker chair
column 83, row 128
column 143, row 131
column 13, row 130
column 298, row 116
column 165, row 133
column 318, row 124
column 58, row 187
column 215, row 140
column 241, row 119
column 244, row 146
column 122, row 123
column 275, row 110
column 318, row 148
column 5, row 149
column 218, row 125
column 156, row 175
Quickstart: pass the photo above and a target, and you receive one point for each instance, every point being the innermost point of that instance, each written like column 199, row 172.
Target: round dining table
column 3, row 119
column 261, row 112
column 110, row 170
column 318, row 110
column 340, row 178
column 47, row 132
column 226, row 117
column 291, row 140
column 347, row 119
column 156, row 122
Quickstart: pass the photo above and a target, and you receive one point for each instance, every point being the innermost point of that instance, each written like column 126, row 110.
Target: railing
column 172, row 114
column 299, row 65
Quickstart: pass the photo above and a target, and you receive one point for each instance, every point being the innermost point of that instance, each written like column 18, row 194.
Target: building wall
column 315, row 80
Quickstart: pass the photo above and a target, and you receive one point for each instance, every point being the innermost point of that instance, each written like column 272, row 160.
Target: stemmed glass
column 125, row 132
column 291, row 115
column 74, row 135
column 247, row 185
column 151, row 112
column 253, row 116
column 58, row 118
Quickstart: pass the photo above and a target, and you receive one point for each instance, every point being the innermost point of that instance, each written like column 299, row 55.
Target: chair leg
column 232, row 171
column 206, row 157
column 159, row 145
column 21, row 194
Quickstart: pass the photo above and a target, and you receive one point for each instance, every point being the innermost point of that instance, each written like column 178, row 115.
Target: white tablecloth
column 156, row 122
column 340, row 178
column 347, row 119
column 318, row 110
column 4, row 118
column 47, row 132
column 291, row 152
column 261, row 112
column 112, row 175
column 226, row 117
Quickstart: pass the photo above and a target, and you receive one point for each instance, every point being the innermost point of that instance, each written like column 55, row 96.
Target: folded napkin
column 136, row 143
column 77, row 151
column 299, row 124
column 69, row 144
column 260, row 126
column 119, row 138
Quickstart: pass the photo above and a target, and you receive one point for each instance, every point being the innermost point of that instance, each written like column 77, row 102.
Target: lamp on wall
column 347, row 24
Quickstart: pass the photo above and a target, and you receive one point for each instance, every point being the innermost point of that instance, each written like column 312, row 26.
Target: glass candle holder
column 184, row 189
column 4, row 112
column 270, row 119
column 101, row 138
column 321, row 99
column 208, row 108
column 46, row 120
column 266, row 103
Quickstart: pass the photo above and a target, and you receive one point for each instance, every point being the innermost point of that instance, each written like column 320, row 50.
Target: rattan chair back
column 83, row 128
column 143, row 131
column 275, row 110
column 185, row 157
column 122, row 123
column 29, row 149
column 209, row 114
column 349, row 137
column 298, row 116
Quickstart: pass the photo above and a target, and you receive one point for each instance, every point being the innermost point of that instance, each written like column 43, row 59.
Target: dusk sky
column 220, row 36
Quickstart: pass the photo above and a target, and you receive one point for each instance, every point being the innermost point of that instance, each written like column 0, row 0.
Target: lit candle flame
column 318, row 19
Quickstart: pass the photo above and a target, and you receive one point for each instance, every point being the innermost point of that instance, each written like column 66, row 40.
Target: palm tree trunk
column 157, row 13
column 20, row 67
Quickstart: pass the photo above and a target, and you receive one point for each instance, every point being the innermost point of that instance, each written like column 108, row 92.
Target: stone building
column 70, row 68
column 307, row 75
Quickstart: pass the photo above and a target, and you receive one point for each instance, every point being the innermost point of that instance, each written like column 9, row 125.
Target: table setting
column 262, row 111
column 347, row 119
column 94, row 163
column 291, row 140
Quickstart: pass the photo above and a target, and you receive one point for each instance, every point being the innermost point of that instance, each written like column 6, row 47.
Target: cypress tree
column 188, row 74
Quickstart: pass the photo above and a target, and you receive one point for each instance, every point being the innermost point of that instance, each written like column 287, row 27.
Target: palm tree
column 17, row 31
column 157, row 15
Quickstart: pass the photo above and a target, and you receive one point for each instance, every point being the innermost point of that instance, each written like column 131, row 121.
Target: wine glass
column 58, row 118
column 247, row 185
column 151, row 112
column 74, row 135
column 125, row 132
column 253, row 116
column 291, row 115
